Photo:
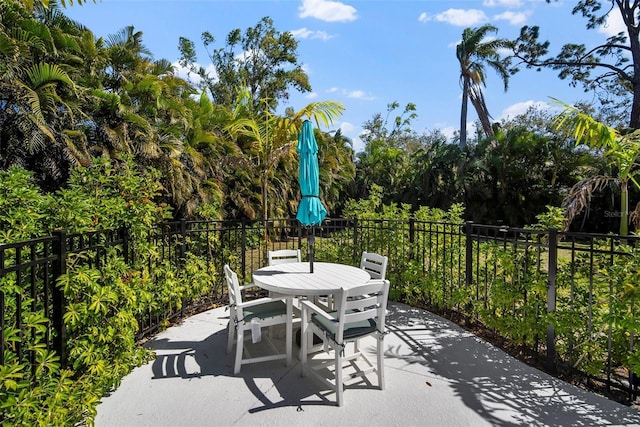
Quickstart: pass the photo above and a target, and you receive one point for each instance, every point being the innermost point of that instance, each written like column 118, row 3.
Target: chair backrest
column 366, row 304
column 235, row 297
column 284, row 256
column 374, row 264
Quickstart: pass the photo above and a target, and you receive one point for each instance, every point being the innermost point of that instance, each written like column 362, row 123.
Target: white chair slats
column 245, row 314
column 360, row 313
column 374, row 264
column 284, row 256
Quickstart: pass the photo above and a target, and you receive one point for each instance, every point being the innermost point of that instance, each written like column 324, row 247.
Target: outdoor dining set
column 334, row 306
column 335, row 303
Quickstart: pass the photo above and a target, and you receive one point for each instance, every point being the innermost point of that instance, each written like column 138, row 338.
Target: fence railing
column 28, row 274
column 567, row 298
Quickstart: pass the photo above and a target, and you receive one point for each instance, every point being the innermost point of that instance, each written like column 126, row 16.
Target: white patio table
column 295, row 279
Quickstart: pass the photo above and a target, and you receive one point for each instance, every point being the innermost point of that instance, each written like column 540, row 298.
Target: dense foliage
column 221, row 149
column 595, row 297
column 103, row 300
column 97, row 134
column 67, row 97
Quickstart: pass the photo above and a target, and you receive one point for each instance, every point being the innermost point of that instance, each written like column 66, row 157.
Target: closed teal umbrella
column 311, row 212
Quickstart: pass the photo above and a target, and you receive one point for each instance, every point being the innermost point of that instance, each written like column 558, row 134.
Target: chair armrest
column 247, row 286
column 308, row 305
column 264, row 300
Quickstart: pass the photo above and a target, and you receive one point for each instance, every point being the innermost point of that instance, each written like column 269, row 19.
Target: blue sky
column 367, row 54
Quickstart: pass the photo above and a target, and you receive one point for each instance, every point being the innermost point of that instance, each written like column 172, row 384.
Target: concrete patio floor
column 437, row 374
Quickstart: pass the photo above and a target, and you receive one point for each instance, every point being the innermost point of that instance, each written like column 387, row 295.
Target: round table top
column 296, row 279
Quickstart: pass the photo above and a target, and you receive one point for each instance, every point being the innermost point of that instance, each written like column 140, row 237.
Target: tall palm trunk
column 477, row 99
column 463, row 115
column 624, row 207
column 265, row 212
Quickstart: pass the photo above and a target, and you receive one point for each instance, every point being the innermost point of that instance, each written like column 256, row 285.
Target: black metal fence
column 30, row 301
column 566, row 297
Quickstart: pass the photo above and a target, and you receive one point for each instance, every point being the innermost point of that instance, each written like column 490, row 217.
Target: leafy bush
column 22, row 205
column 105, row 296
column 594, row 308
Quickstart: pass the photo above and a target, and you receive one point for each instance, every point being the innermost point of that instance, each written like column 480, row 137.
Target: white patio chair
column 245, row 315
column 374, row 264
column 360, row 313
column 282, row 256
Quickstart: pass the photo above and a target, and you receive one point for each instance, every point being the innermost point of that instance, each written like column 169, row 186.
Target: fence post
column 551, row 298
column 59, row 268
column 412, row 236
column 183, row 234
column 468, row 268
column 468, row 258
column 356, row 253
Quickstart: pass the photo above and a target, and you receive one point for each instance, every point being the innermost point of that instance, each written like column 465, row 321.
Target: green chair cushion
column 351, row 330
column 265, row 311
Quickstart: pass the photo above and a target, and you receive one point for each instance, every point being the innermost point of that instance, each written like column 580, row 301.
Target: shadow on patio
column 437, row 374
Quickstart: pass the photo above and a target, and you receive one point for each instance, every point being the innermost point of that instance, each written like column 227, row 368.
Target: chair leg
column 380, row 369
column 303, row 344
column 231, row 329
column 239, row 345
column 338, row 375
column 289, row 332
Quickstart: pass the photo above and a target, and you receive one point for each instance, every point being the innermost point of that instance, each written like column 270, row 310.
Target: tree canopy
column 261, row 59
column 609, row 68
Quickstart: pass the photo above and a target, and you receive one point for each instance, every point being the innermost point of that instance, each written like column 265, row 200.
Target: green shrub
column 103, row 299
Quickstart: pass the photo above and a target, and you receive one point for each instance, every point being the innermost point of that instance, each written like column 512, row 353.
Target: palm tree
column 39, row 99
column 473, row 52
column 620, row 150
column 271, row 139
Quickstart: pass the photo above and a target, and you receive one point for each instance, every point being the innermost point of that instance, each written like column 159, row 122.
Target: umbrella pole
column 312, row 242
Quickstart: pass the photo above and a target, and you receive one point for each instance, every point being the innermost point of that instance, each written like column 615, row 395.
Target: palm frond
column 634, row 216
column 579, row 196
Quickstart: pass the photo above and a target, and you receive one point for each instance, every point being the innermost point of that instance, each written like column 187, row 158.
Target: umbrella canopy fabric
column 310, row 210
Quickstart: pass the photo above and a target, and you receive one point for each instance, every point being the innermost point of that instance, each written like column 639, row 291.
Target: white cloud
column 520, row 108
column 194, row 78
column 424, row 17
column 502, row 3
column 472, row 127
column 347, row 128
column 311, row 95
column 448, row 131
column 462, row 17
column 514, row 18
column 353, row 94
column 359, row 94
column 327, row 10
column 304, row 33
column 180, row 71
column 613, row 25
